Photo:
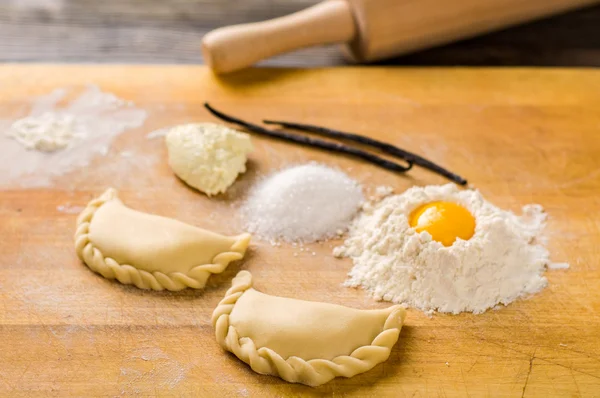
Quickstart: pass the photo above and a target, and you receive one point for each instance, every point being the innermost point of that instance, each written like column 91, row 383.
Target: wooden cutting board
column 519, row 135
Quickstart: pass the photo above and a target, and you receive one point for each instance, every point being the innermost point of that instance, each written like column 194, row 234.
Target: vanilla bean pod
column 383, row 146
column 308, row 141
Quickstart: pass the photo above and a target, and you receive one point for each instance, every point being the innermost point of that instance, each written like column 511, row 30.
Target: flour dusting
column 53, row 140
column 70, row 209
column 559, row 266
column 157, row 133
column 164, row 371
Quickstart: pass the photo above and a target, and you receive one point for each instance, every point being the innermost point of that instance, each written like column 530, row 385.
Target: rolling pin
column 371, row 29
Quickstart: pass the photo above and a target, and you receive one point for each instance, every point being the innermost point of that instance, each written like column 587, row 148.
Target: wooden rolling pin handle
column 236, row 47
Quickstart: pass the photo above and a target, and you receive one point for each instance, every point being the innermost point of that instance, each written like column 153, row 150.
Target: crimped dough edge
column 129, row 275
column 314, row 372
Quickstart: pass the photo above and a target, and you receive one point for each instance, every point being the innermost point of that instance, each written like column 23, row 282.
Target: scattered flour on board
column 158, row 133
column 504, row 260
column 559, row 265
column 147, row 367
column 53, row 140
column 70, row 209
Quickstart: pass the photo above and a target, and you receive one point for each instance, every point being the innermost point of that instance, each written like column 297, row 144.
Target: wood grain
column 519, row 135
column 170, row 31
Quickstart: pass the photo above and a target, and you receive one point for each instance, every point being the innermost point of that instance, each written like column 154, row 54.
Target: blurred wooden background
column 169, row 31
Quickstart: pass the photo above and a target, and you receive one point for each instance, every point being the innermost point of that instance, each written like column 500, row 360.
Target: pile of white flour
column 504, row 260
column 48, row 132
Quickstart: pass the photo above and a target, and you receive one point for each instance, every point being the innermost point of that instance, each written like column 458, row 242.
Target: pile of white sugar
column 305, row 203
column 504, row 260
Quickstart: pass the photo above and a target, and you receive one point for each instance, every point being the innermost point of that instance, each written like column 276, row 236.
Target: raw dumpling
column 148, row 251
column 303, row 341
column 207, row 156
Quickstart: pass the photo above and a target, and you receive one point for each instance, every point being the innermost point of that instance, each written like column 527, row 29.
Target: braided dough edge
column 127, row 274
column 314, row 372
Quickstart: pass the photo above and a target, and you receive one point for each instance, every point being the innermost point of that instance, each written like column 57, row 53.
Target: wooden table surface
column 169, row 31
column 519, row 135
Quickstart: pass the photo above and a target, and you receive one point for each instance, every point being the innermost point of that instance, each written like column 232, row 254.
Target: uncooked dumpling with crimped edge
column 303, row 341
column 149, row 251
column 207, row 156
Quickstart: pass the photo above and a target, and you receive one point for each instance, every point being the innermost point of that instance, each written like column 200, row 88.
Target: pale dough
column 207, row 156
column 303, row 341
column 149, row 251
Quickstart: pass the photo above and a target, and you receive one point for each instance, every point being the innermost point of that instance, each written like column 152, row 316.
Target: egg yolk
column 444, row 221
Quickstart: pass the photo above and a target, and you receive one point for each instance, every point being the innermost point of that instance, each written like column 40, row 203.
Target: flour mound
column 504, row 260
column 48, row 132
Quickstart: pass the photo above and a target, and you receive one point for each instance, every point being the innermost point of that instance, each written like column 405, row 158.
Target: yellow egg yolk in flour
column 444, row 221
